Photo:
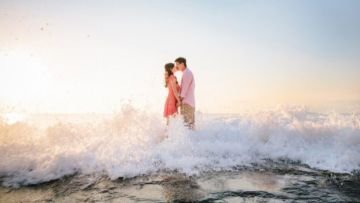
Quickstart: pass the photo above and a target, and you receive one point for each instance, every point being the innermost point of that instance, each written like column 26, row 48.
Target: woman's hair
column 168, row 72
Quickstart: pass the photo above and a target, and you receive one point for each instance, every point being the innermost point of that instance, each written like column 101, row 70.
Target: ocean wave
column 135, row 142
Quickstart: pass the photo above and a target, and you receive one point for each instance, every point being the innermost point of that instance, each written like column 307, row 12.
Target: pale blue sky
column 98, row 53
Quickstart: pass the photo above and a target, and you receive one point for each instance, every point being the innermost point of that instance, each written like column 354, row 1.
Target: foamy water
column 134, row 142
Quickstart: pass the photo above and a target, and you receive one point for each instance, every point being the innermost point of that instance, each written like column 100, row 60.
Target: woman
column 173, row 98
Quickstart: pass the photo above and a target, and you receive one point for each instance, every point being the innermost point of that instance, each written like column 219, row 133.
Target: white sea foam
column 135, row 142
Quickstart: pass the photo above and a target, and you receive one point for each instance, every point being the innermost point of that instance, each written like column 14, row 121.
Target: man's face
column 180, row 66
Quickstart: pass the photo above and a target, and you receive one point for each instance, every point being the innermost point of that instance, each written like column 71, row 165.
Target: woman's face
column 174, row 69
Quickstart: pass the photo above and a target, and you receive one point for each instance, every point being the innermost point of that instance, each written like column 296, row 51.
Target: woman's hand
column 178, row 103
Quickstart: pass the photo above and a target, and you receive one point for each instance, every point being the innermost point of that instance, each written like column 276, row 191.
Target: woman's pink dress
column 170, row 104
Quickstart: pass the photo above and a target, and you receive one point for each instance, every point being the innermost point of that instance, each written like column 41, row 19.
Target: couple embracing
column 180, row 96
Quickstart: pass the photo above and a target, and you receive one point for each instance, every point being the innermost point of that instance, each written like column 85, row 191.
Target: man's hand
column 178, row 103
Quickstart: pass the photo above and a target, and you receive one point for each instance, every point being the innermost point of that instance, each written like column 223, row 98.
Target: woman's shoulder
column 172, row 77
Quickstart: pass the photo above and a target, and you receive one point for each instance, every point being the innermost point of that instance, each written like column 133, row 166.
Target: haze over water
column 90, row 56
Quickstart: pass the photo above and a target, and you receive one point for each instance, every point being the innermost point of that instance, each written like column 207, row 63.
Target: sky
column 93, row 56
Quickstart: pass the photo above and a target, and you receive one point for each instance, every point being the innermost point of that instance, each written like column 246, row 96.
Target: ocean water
column 286, row 154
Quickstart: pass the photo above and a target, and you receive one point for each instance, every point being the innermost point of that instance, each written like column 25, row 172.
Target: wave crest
column 133, row 142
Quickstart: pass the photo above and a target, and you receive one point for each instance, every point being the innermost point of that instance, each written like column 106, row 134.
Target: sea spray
column 136, row 142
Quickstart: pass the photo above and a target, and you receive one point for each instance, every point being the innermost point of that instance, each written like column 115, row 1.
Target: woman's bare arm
column 175, row 91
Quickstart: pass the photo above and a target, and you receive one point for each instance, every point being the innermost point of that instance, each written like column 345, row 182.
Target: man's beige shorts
column 189, row 115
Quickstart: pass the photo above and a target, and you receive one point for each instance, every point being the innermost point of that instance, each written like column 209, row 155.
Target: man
column 187, row 93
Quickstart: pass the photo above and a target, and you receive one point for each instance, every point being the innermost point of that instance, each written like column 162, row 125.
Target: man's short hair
column 181, row 60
